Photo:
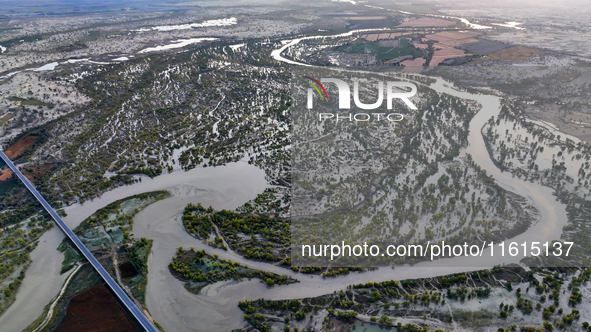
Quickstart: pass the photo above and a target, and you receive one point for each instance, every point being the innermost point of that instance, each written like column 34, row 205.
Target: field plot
column 463, row 34
column 127, row 270
column 378, row 36
column 445, row 52
column 453, row 38
column 5, row 174
column 427, row 22
column 483, row 46
column 35, row 173
column 414, row 63
column 517, row 53
column 5, row 118
column 6, row 185
column 389, row 43
column 415, row 8
column 383, row 53
column 371, row 37
column 447, row 43
column 20, row 146
column 30, row 102
column 96, row 310
column 361, row 18
column 421, row 46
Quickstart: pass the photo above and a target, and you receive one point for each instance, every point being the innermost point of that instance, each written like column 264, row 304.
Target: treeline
column 256, row 237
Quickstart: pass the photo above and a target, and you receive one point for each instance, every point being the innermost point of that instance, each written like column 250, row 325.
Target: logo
column 345, row 93
column 344, row 99
column 315, row 87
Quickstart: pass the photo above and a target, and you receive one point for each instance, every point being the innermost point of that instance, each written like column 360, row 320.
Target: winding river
column 228, row 187
column 215, row 310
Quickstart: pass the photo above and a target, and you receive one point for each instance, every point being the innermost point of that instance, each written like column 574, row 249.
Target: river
column 228, row 187
column 178, row 310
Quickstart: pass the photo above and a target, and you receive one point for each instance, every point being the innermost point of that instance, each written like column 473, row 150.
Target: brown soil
column 451, row 39
column 96, row 310
column 517, row 53
column 20, row 146
column 416, row 62
column 35, row 173
column 445, row 53
column 127, row 270
column 5, row 175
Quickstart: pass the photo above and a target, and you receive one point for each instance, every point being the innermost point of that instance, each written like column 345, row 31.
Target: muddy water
column 172, row 306
column 41, row 284
column 178, row 310
column 231, row 185
column 553, row 214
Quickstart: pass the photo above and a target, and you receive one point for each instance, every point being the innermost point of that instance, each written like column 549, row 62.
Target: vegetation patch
column 198, row 269
column 30, row 102
column 383, row 53
column 5, row 118
column 134, row 273
column 464, row 300
column 107, row 234
column 254, row 236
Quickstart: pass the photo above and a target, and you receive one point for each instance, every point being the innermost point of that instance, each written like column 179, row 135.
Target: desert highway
column 127, row 302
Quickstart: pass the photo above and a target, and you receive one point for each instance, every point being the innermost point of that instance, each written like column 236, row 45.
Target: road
column 127, row 302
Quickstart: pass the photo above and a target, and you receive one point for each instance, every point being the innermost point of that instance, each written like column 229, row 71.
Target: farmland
column 383, row 53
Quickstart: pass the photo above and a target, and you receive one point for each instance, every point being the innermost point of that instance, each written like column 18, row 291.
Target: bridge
column 127, row 302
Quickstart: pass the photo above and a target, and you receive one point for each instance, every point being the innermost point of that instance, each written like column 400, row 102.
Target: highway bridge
column 127, row 302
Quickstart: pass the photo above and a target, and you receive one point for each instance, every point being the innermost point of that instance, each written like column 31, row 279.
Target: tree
column 300, row 315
